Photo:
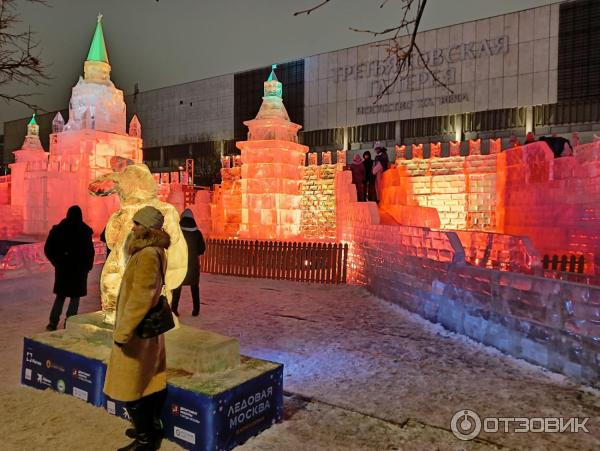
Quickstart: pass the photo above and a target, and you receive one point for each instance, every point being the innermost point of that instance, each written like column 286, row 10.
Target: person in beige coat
column 136, row 371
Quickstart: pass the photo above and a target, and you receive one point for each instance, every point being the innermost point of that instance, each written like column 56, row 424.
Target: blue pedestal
column 194, row 420
column 48, row 367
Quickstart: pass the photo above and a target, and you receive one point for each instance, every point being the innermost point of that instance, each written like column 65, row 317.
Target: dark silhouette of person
column 358, row 177
column 196, row 247
column 70, row 249
column 369, row 189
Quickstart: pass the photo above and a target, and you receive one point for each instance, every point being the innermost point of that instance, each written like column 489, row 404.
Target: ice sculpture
column 44, row 185
column 136, row 188
column 271, row 172
column 31, row 155
column 95, row 102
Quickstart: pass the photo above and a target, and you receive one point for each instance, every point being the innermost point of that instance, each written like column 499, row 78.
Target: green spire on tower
column 32, row 121
column 98, row 48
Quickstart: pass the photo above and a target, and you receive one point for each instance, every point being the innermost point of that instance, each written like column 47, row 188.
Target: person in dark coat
column 558, row 145
column 70, row 249
column 369, row 188
column 358, row 177
column 382, row 157
column 196, row 247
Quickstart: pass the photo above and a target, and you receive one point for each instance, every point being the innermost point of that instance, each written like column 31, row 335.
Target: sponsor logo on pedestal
column 110, row 407
column 29, row 358
column 82, row 376
column 79, row 393
column 60, row 386
column 27, row 374
column 53, row 365
column 184, row 435
column 41, row 379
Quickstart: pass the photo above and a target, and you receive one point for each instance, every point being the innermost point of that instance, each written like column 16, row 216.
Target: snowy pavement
column 360, row 374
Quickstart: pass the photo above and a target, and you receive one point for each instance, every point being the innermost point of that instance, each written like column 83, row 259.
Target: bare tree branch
column 403, row 55
column 19, row 55
column 310, row 10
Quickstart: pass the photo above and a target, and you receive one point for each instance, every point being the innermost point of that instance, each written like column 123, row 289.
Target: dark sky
column 174, row 41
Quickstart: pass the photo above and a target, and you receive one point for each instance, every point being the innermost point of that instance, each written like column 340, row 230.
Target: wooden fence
column 302, row 262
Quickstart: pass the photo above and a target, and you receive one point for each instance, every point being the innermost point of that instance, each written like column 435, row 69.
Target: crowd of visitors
column 367, row 173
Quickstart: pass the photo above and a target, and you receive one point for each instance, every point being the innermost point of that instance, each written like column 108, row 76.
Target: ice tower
column 271, row 173
column 32, row 155
column 95, row 102
column 45, row 185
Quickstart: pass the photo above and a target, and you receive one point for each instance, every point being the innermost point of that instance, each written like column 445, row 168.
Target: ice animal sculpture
column 136, row 188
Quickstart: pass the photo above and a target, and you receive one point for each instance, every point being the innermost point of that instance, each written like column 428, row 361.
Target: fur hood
column 154, row 238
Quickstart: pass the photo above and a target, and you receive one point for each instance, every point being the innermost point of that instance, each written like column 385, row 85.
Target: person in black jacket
column 196, row 247
column 70, row 249
column 369, row 187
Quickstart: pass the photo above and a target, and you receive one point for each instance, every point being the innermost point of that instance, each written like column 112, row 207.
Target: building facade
column 532, row 70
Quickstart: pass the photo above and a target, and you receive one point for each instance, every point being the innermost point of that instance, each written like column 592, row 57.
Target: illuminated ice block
column 189, row 349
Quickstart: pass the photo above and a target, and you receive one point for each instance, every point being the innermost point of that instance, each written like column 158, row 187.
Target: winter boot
column 158, row 400
column 141, row 415
column 152, row 403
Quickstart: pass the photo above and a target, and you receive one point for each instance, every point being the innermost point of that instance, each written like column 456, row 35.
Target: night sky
column 169, row 42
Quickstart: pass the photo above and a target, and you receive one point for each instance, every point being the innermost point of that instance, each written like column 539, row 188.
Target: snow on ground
column 360, row 373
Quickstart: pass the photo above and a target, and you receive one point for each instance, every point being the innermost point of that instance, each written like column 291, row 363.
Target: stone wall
column 547, row 322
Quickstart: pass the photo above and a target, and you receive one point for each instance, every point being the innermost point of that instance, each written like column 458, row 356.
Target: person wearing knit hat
column 136, row 372
column 149, row 217
column 196, row 247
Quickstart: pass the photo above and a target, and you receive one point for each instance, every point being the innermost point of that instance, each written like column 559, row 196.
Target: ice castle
column 42, row 185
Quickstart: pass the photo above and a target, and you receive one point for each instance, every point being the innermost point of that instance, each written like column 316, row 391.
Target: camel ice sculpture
column 136, row 188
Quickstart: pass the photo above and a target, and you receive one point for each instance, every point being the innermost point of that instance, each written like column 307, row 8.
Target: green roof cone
column 32, row 121
column 272, row 76
column 98, row 48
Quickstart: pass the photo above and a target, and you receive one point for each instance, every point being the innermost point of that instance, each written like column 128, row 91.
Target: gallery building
column 535, row 70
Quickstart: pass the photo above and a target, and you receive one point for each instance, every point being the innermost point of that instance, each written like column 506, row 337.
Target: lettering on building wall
column 378, row 74
column 408, row 104
column 387, row 68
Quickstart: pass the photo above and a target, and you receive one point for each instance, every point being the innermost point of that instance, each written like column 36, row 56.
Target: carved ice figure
column 136, row 188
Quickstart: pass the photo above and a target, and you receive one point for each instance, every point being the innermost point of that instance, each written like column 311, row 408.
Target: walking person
column 358, row 177
column 136, row 372
column 70, row 249
column 196, row 247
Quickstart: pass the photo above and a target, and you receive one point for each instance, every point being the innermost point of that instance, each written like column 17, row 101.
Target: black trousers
column 195, row 289
column 57, row 308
